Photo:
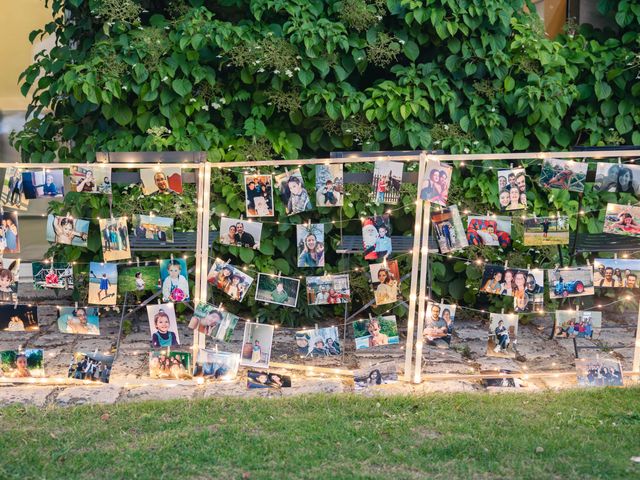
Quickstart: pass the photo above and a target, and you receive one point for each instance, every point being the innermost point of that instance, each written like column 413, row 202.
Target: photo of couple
column 328, row 289
column 257, row 379
column 435, row 186
column 236, row 232
column 616, row 273
column 320, row 342
column 115, row 239
column 512, row 189
column 310, row 243
column 229, row 279
column 13, row 191
column 617, row 178
column 18, row 318
column 9, row 239
column 150, row 227
column 438, row 328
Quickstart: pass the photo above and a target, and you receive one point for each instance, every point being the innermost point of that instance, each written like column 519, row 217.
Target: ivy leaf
column 602, row 89
column 281, row 243
column 411, row 50
column 509, row 83
column 457, row 288
column 246, row 255
column 282, row 265
column 181, row 86
column 624, row 124
column 266, row 247
column 305, row 76
column 438, row 269
column 122, row 114
column 520, row 142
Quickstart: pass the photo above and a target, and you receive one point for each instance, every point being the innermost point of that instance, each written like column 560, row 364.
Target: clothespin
column 588, row 263
column 615, row 256
column 506, row 264
column 511, row 166
column 370, row 317
column 138, row 262
column 316, row 327
column 619, row 161
column 15, row 304
column 528, row 266
column 172, row 258
column 502, row 311
column 76, row 305
column 279, row 274
column 159, row 301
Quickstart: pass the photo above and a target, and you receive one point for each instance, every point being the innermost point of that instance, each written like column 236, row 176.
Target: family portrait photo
column 93, row 179
column 9, row 279
column 598, row 371
column 570, row 282
column 213, row 321
column 438, row 324
column 617, row 178
column 256, row 379
column 577, row 324
column 79, row 321
column 503, row 331
column 310, row 244
column 435, row 185
column 161, row 181
column 616, row 272
column 277, row 289
column 174, row 275
column 143, row 278
column 498, row 280
column 492, row 231
column 170, row 364
column 25, row 363
column 546, row 230
column 12, row 190
column 448, row 229
column 258, row 191
column 376, row 374
column 214, row 365
column 163, row 325
column 533, row 298
column 9, row 238
column 564, row 174
column 19, row 318
column 151, row 227
column 329, row 185
column 512, row 189
column 386, row 182
column 52, row 275
column 328, row 289
column 318, row 342
column 240, row 233
column 256, row 345
column 385, row 280
column 114, row 236
column 43, row 184
column 103, row 283
column 293, row 192
column 622, row 220
column 67, row 230
column 94, row 367
column 376, row 237
column 229, row 279
column 376, row 331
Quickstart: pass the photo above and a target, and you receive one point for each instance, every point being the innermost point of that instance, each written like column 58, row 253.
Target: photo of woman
column 435, row 186
column 310, row 242
column 229, row 279
column 385, row 279
column 613, row 177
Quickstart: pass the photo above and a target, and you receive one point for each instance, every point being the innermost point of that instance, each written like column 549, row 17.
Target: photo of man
column 166, row 181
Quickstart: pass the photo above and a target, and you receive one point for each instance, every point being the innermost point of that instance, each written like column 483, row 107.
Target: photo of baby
column 163, row 325
column 174, row 275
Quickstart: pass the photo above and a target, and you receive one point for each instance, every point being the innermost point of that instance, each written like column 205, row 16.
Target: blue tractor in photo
column 564, row 289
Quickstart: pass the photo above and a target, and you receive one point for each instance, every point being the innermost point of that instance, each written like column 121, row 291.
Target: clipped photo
column 564, row 174
column 170, row 364
column 103, row 283
column 257, row 379
column 385, row 280
column 318, row 342
column 52, row 275
column 503, row 331
column 376, row 237
column 622, row 220
column 150, row 227
column 175, row 280
column 163, row 325
column 492, row 231
column 19, row 318
column 161, row 181
column 533, row 298
column 94, row 367
column 577, row 324
column 9, row 239
column 9, row 273
column 310, row 245
column 79, row 321
column 13, row 190
column 277, row 289
column 293, row 192
column 258, row 191
column 214, row 365
column 570, row 282
column 376, row 374
column 597, row 371
column 328, row 289
column 43, row 184
column 438, row 324
column 67, row 230
column 616, row 273
column 512, row 189
column 498, row 280
column 213, row 321
column 617, row 178
column 229, row 279
column 27, row 363
column 90, row 179
column 143, row 278
column 115, row 239
column 546, row 231
column 240, row 233
column 329, row 185
column 448, row 229
column 376, row 331
column 386, row 182
column 256, row 345
column 435, row 185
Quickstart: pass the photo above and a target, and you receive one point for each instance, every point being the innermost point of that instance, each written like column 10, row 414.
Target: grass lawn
column 584, row 434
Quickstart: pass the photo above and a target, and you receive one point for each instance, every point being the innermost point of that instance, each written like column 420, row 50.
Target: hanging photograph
column 293, row 192
column 26, row 363
column 174, row 276
column 616, row 273
column 512, row 189
column 597, row 371
column 94, row 367
column 376, row 331
column 103, row 283
column 257, row 379
column 310, row 243
column 240, row 233
column 150, row 227
column 161, row 181
column 18, row 318
column 570, row 282
column 329, row 185
column 564, row 174
column 499, row 280
column 503, row 381
column 277, row 289
column 9, row 273
column 115, row 239
column 381, row 373
column 438, row 325
column 376, row 237
column 90, row 179
column 67, row 230
column 617, row 178
column 318, row 342
column 163, row 325
column 256, row 345
column 215, row 322
column 386, row 183
column 488, row 230
column 622, row 220
column 214, row 365
column 503, row 331
column 533, row 298
column 43, row 184
column 79, row 321
column 577, row 324
column 385, row 279
column 328, row 289
column 448, row 229
column 435, row 185
column 229, row 279
column 13, row 190
column 145, row 278
column 546, row 231
column 56, row 275
column 9, row 239
column 170, row 364
column 258, row 195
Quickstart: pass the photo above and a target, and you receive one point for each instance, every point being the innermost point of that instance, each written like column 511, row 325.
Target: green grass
column 584, row 433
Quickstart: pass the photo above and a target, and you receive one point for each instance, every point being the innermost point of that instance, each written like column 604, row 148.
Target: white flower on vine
column 466, row 150
column 379, row 17
column 165, row 78
column 297, row 69
column 288, row 73
column 493, row 109
column 124, row 87
column 205, row 107
column 260, row 70
column 402, row 42
column 446, row 127
column 437, row 142
column 192, row 100
column 476, row 142
column 276, row 72
column 222, row 100
column 216, row 106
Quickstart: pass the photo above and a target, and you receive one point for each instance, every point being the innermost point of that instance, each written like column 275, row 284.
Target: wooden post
column 202, row 248
column 422, row 297
column 636, row 351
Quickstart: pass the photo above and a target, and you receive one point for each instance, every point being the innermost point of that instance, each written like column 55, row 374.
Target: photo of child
column 546, row 230
column 512, row 189
column 329, row 185
column 9, row 273
column 115, row 239
column 435, row 185
column 376, row 331
column 503, row 331
column 293, row 192
column 386, row 182
column 161, row 181
column 277, row 289
column 622, row 220
column 26, row 363
column 19, row 318
column 214, row 365
column 67, row 230
column 56, row 275
column 564, row 174
column 93, row 179
column 320, row 342
column 385, row 279
column 617, row 178
column 174, row 275
column 256, row 345
column 43, row 184
column 376, row 237
column 258, row 195
column 79, row 321
column 328, row 289
column 13, row 190
column 103, row 283
column 9, row 239
column 310, row 243
column 144, row 278
column 229, row 279
column 170, row 364
column 448, row 229
column 163, row 325
column 488, row 230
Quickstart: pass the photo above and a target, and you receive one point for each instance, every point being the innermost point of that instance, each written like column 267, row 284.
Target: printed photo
column 213, row 365
column 18, row 318
column 376, row 331
column 533, row 298
column 90, row 179
column 22, row 364
column 435, row 185
column 67, row 230
column 616, row 273
column 258, row 191
column 293, row 192
column 161, row 181
column 448, row 229
column 577, row 324
column 163, row 325
column 503, row 331
column 503, row 382
column 499, row 280
column 9, row 273
column 256, row 345
column 79, row 321
column 385, row 279
column 564, row 174
column 145, row 278
column 320, row 342
column 94, row 367
column 376, row 237
column 329, row 185
column 380, row 373
column 599, row 372
column 13, row 190
column 240, row 233
column 615, row 178
column 170, row 364
column 438, row 325
column 512, row 189
column 229, row 279
column 9, row 239
column 43, row 184
column 115, row 239
column 150, row 227
column 622, row 220
column 277, row 289
column 328, row 289
column 546, row 231
column 310, row 243
column 103, row 283
column 257, row 379
column 213, row 321
column 492, row 231
column 570, row 282
column 175, row 284
column 56, row 275
column 386, row 182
